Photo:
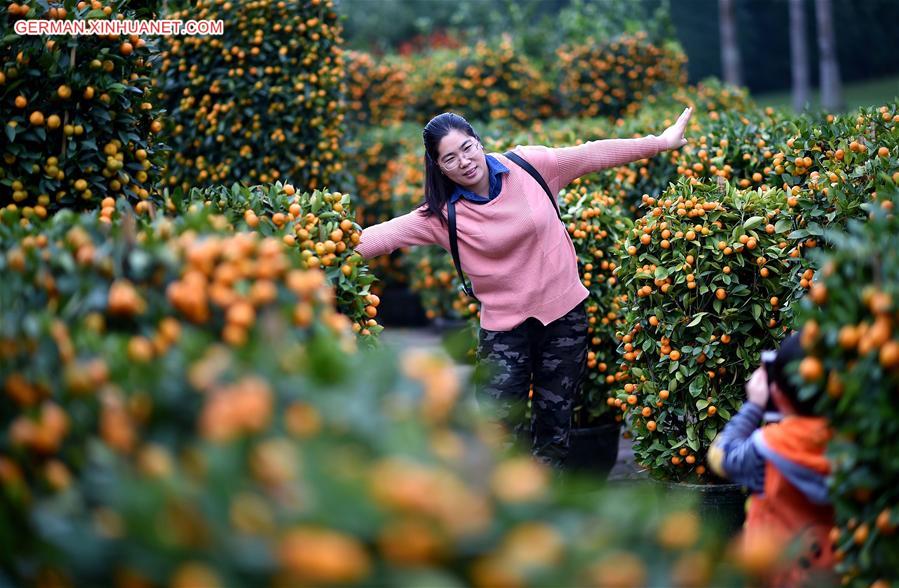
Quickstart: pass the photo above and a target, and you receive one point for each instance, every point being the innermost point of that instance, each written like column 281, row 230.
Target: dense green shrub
column 259, row 103
column 483, row 83
column 612, row 78
column 710, row 278
column 853, row 354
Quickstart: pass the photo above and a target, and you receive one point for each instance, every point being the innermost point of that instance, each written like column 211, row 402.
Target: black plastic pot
column 594, row 450
column 720, row 504
column 400, row 307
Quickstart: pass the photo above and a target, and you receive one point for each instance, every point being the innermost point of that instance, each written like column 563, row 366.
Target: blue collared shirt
column 495, row 169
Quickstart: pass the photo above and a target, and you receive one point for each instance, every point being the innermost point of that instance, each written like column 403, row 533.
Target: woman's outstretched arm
column 593, row 156
column 412, row 228
column 560, row 166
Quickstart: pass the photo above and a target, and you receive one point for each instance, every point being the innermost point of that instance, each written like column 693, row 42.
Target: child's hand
column 757, row 387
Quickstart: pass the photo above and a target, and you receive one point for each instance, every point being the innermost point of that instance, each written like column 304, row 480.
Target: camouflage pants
column 552, row 358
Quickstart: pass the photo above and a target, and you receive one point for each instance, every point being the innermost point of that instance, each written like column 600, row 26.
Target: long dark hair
column 438, row 187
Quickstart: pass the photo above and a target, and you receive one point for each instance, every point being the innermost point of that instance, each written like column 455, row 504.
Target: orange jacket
column 782, row 514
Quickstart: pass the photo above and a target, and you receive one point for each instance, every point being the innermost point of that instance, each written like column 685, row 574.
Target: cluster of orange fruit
column 484, row 82
column 318, row 226
column 614, row 77
column 433, row 280
column 388, row 182
column 220, row 132
column 597, row 224
column 378, row 89
column 66, row 117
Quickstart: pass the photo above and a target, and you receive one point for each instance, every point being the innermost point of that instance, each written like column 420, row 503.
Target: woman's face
column 461, row 158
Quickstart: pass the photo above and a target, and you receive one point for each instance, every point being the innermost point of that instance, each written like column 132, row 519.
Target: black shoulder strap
column 454, row 247
column 522, row 162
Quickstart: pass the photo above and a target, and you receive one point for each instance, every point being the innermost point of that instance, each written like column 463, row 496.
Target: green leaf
column 697, row 318
column 783, row 225
column 753, row 222
column 692, row 438
column 702, row 404
column 10, row 133
column 696, row 388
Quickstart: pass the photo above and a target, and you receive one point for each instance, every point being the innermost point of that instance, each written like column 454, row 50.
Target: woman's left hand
column 673, row 136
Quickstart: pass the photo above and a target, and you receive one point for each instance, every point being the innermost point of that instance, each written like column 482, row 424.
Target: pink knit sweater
column 519, row 258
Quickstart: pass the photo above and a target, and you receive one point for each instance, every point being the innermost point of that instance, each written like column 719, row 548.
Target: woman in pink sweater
column 520, row 260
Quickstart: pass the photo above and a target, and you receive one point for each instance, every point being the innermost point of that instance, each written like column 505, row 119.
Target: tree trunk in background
column 798, row 55
column 730, row 51
column 831, row 89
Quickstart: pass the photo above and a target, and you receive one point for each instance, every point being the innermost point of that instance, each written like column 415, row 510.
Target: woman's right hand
column 673, row 136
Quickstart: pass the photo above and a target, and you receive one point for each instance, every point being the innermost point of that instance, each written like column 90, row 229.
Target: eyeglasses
column 452, row 162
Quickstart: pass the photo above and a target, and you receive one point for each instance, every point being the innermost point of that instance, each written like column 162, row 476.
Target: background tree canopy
column 541, row 25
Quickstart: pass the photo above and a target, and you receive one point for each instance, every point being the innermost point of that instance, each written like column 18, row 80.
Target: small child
column 783, row 464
